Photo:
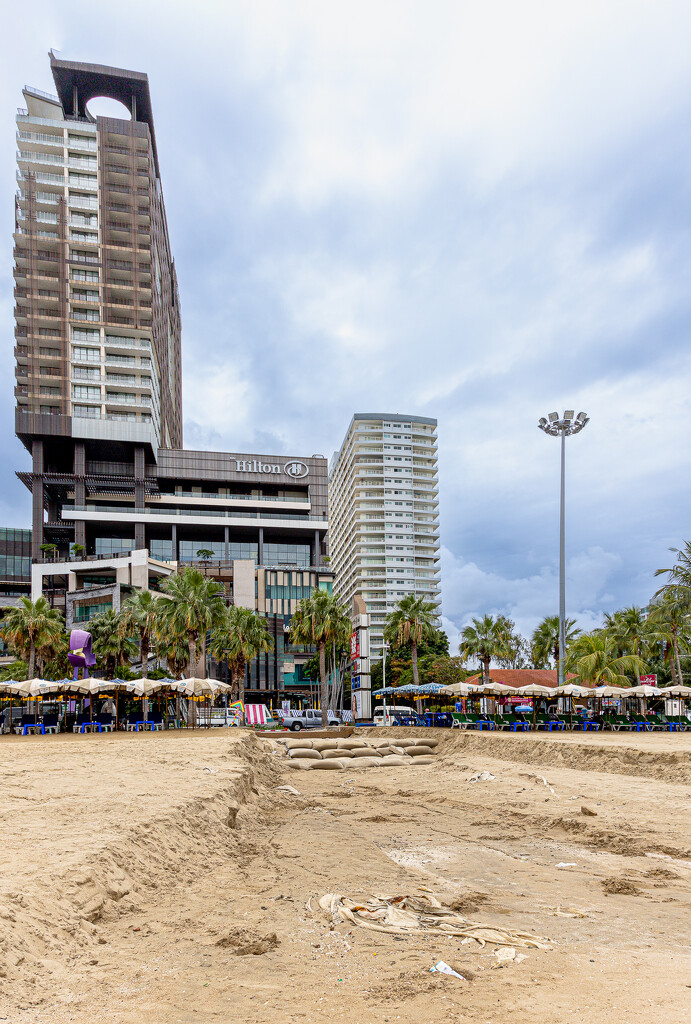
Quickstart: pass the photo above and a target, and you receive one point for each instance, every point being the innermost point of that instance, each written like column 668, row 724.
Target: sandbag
column 307, row 753
column 395, row 759
column 324, row 744
column 301, row 763
column 330, row 764
column 397, row 749
column 365, row 752
column 348, row 744
column 405, row 741
column 302, row 744
column 417, row 751
column 328, row 754
column 422, row 759
column 431, row 743
column 365, row 762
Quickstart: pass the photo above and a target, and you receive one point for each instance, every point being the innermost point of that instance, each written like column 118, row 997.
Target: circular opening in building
column 104, row 106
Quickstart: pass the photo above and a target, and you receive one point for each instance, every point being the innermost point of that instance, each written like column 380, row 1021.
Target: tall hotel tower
column 97, row 314
column 383, row 514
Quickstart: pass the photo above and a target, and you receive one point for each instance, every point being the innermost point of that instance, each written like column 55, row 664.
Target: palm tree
column 139, row 613
column 33, row 630
column 670, row 621
column 111, row 646
column 485, row 639
column 175, row 649
column 320, row 620
column 545, row 640
column 411, row 622
column 630, row 629
column 191, row 604
column 239, row 637
column 596, row 660
column 680, row 573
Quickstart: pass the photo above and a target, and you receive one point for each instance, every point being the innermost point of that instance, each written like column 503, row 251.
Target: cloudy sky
column 474, row 211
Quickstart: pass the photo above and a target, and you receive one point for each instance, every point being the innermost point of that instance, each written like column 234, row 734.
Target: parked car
column 388, row 715
column 307, row 719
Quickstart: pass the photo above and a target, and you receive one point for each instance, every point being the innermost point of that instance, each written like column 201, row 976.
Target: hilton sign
column 294, row 469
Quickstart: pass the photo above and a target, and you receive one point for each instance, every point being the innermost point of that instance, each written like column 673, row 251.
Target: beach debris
column 569, row 912
column 505, row 956
column 567, row 864
column 423, row 914
column 207, row 769
column 443, row 968
column 588, row 812
column 481, row 777
column 288, row 789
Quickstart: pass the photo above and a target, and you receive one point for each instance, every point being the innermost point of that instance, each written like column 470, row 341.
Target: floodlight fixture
column 564, row 427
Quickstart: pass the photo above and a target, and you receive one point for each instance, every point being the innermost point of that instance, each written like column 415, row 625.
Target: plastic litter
column 288, row 789
column 482, row 777
column 567, row 864
column 443, row 968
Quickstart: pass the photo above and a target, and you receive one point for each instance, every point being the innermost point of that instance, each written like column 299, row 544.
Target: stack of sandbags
column 351, row 752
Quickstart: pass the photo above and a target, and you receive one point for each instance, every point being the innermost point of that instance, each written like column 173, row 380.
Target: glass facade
column 85, row 612
column 287, row 554
column 112, row 545
column 15, row 553
column 161, row 549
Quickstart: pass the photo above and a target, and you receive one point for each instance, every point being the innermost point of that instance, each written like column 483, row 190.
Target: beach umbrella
column 609, row 691
column 675, row 691
column 457, row 690
column 535, row 690
column 645, row 690
column 572, row 690
column 385, row 690
column 428, row 688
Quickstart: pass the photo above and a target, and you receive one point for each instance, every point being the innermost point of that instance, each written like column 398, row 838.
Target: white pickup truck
column 308, row 719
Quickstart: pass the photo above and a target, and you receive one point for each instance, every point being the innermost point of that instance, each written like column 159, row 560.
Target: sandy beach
column 166, row 878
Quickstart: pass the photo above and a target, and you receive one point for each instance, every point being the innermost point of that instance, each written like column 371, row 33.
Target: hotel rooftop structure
column 384, row 515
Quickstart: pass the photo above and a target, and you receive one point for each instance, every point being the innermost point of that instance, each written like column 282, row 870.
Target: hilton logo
column 296, row 470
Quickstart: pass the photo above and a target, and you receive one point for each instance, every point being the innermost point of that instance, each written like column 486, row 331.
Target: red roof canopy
column 523, row 676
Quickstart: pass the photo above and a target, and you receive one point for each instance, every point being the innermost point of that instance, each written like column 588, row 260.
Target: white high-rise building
column 383, row 515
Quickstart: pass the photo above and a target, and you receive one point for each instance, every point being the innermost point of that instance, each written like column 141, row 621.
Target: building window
column 287, row 554
column 112, row 545
column 162, row 549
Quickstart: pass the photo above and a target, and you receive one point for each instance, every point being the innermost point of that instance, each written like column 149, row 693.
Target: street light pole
column 562, row 427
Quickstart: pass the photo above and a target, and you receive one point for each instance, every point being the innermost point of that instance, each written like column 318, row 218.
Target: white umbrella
column 498, row 689
column 202, row 687
column 456, row 690
column 609, row 691
column 645, row 690
column 535, row 690
column 676, row 691
column 572, row 690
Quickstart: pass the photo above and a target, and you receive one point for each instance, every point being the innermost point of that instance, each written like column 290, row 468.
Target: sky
column 472, row 211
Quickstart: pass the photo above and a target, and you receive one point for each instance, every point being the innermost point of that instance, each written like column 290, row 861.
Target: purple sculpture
column 81, row 655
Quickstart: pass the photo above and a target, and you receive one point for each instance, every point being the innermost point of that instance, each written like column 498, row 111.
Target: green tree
column 34, row 631
column 631, row 631
column 239, row 637
column 175, row 649
column 49, row 550
column 191, row 604
column 544, row 642
column 517, row 654
column 112, row 647
column 446, row 671
column 596, row 660
column 486, row 639
column 77, row 549
column 670, row 624
column 320, row 620
column 411, row 622
column 140, row 614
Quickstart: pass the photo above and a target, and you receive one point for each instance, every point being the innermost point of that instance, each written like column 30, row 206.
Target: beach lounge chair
column 513, row 723
column 106, row 722
column 51, row 723
column 156, row 720
column 30, row 725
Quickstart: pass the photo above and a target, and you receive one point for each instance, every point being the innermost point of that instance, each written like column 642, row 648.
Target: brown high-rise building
column 97, row 313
